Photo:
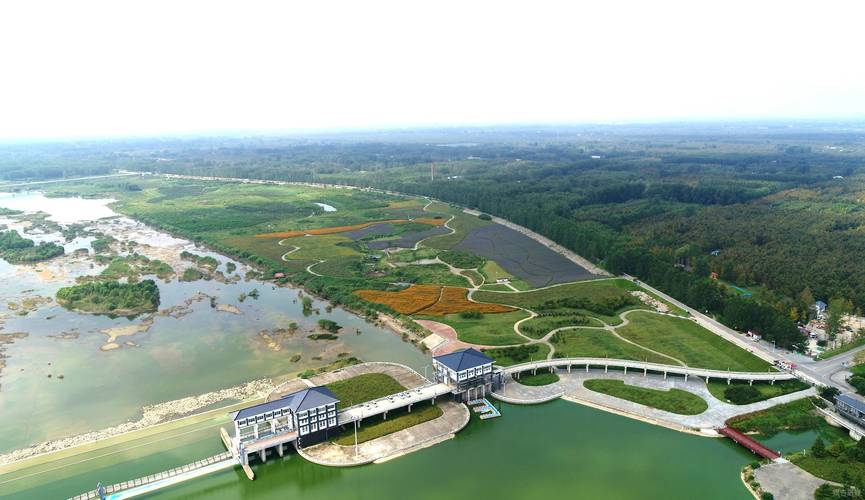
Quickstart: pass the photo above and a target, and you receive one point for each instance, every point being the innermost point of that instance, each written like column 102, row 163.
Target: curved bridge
column 645, row 367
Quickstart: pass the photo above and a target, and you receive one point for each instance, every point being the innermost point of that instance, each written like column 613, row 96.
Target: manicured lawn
column 673, row 401
column 320, row 247
column 492, row 271
column 507, row 356
column 595, row 291
column 490, row 329
column 427, row 274
column 375, row 427
column 541, row 378
column 762, row 390
column 689, row 342
column 495, row 288
column 363, row 388
column 592, row 343
column 542, row 325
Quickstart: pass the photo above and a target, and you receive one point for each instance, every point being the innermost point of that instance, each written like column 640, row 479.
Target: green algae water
column 556, row 450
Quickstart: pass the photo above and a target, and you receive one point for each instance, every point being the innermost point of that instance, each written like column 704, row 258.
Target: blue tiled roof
column 296, row 401
column 464, row 360
column 855, row 403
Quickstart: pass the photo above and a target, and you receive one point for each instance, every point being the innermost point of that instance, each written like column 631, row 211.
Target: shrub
column 742, row 394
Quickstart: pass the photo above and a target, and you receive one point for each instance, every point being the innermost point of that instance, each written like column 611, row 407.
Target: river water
column 559, row 449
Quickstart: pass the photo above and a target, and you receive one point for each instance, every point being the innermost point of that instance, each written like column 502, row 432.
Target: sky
column 123, row 67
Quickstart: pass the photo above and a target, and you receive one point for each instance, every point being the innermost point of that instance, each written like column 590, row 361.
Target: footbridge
column 396, row 401
column 645, row 367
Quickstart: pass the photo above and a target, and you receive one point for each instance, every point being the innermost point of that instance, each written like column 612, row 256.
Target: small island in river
column 111, row 297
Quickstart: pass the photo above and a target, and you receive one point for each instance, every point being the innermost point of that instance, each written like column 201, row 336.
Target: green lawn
column 363, row 388
column 398, row 420
column 689, row 342
column 542, row 325
column 495, row 287
column 673, row 400
column 592, row 343
column 507, row 356
column 426, row 274
column 541, row 378
column 490, row 329
column 319, row 247
column 595, row 291
column 762, row 390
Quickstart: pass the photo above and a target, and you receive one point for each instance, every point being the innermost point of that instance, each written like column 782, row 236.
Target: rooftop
column 850, row 400
column 464, row 360
column 296, row 401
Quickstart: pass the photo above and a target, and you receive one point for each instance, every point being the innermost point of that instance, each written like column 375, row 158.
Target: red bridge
column 749, row 443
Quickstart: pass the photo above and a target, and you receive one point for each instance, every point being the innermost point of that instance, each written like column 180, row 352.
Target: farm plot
column 408, row 301
column 343, row 229
column 383, row 229
column 453, row 300
column 408, row 239
column 522, row 256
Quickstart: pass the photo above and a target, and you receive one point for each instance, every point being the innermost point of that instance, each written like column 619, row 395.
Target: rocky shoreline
column 151, row 415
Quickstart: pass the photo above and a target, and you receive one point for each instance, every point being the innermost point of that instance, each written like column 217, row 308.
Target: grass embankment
column 370, row 386
column 484, row 329
column 542, row 378
column 593, row 343
column 507, row 356
column 673, row 400
column 689, row 342
column 795, row 416
column 740, row 393
column 111, row 297
column 842, row 349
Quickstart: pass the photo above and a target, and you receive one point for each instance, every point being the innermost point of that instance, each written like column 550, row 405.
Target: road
column 830, row 372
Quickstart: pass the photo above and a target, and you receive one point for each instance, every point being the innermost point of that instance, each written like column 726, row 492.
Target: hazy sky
column 72, row 68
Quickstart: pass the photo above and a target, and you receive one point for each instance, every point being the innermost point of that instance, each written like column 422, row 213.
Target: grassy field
column 541, row 378
column 427, row 274
column 323, row 247
column 489, row 329
column 689, row 342
column 763, row 390
column 592, row 343
column 673, row 400
column 396, row 421
column 363, row 388
column 507, row 356
column 842, row 349
column 539, row 326
column 595, row 291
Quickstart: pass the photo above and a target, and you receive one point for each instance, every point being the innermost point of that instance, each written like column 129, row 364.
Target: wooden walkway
column 161, row 476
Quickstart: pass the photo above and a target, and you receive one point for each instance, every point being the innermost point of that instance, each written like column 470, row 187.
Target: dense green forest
column 111, row 297
column 772, row 208
column 19, row 250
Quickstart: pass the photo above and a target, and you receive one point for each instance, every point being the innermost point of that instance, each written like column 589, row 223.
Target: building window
column 331, row 422
column 304, row 430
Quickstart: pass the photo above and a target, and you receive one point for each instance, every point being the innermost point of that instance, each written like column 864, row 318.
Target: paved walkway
column 455, row 417
column 787, row 482
column 570, row 386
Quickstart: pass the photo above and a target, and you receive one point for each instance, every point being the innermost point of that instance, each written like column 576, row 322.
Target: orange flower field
column 431, row 300
column 342, row 229
column 408, row 301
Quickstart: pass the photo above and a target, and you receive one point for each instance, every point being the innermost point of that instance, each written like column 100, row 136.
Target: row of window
column 316, row 418
column 315, row 426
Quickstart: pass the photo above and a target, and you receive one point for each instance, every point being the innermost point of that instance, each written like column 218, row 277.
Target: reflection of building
column 308, row 416
column 469, row 372
column 851, row 408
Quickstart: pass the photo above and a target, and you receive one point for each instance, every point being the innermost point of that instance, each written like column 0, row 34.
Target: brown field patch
column 408, row 301
column 342, row 229
column 453, row 300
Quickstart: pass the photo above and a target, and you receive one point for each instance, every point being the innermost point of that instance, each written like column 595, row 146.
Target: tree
column 838, row 308
column 824, row 492
column 806, row 301
column 818, row 449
